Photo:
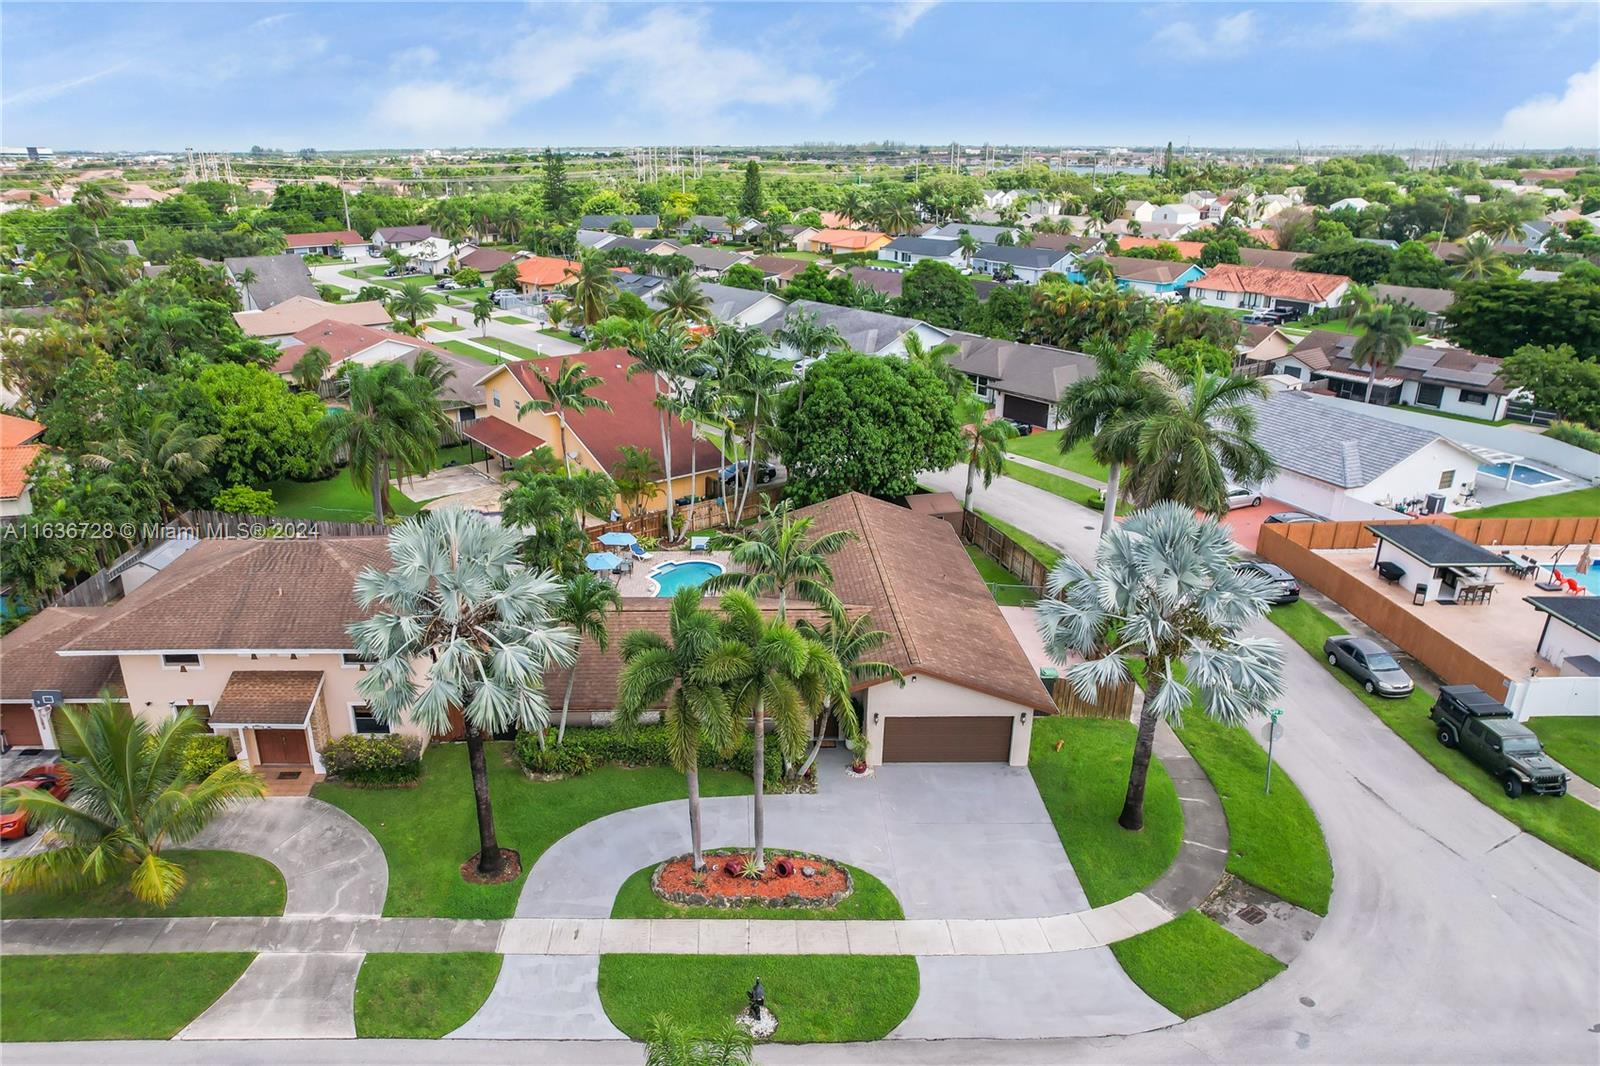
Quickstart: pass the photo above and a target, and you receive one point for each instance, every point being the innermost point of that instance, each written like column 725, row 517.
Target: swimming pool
column 1521, row 473
column 670, row 577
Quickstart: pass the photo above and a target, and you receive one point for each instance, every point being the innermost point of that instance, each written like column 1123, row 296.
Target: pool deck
column 639, row 583
column 1491, row 490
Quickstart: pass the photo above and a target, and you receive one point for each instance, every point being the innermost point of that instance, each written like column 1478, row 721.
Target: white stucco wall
column 1417, row 571
column 1419, row 475
column 924, row 696
column 1562, row 640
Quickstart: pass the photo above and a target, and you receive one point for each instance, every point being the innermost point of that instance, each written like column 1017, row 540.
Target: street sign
column 1272, row 731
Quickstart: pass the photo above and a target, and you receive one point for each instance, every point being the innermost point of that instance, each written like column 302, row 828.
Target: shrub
column 204, row 755
column 242, row 499
column 587, row 748
column 1575, row 435
column 374, row 759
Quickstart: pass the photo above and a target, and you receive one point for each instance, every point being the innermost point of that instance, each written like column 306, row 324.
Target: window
column 363, row 721
column 1447, row 479
column 353, row 660
column 494, row 397
column 180, row 661
column 1478, row 399
column 1430, row 395
column 202, row 711
column 468, row 414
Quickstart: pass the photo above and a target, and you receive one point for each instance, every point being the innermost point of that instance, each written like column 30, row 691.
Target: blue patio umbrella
column 618, row 539
column 601, row 561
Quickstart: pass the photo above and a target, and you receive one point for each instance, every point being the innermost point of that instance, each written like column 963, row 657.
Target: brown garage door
column 22, row 729
column 947, row 739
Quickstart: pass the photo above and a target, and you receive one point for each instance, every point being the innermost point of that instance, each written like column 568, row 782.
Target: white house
column 1179, row 214
column 1139, row 210
column 1571, row 631
column 331, row 242
column 1248, row 288
column 437, row 256
column 1436, row 377
column 403, row 239
column 1353, row 203
column 1025, row 264
column 915, row 249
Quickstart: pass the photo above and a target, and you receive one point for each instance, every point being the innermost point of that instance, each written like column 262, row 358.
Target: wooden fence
column 696, row 518
column 1005, row 551
column 213, row 524
column 1294, row 547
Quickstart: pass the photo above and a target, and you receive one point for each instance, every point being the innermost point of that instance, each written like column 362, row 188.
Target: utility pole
column 343, row 196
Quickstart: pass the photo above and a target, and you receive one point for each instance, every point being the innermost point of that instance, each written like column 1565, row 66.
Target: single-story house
column 983, row 234
column 1350, row 203
column 1179, row 214
column 400, row 238
column 329, row 242
column 1432, row 302
column 1261, row 347
column 33, row 668
column 916, row 249
column 595, row 437
column 642, row 224
column 1185, row 249
column 829, row 241
column 740, row 307
column 872, row 332
column 1270, row 257
column 644, row 245
column 594, row 238
column 137, row 194
column 799, row 236
column 12, row 199
column 1336, row 461
column 486, row 260
column 717, row 228
column 1437, row 377
column 460, row 395
column 1152, row 277
column 880, row 279
column 19, row 447
column 711, row 262
column 1235, row 286
column 300, row 312
column 1025, row 264
column 1021, row 381
column 641, row 285
column 273, row 279
column 538, row 273
column 1571, row 631
column 1542, row 276
column 776, row 270
column 1083, row 245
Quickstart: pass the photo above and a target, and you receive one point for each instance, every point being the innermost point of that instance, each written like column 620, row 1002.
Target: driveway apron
column 285, row 997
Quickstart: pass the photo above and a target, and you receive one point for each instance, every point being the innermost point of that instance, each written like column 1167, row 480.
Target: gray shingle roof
column 711, row 258
column 1036, row 258
column 923, row 246
column 1035, row 371
column 1436, row 545
column 727, row 301
column 1580, row 612
column 1333, row 443
column 1434, row 301
column 605, row 221
column 983, row 234
column 863, row 331
column 278, row 278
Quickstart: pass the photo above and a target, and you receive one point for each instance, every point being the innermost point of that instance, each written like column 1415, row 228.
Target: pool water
column 1590, row 581
column 670, row 577
column 1521, row 473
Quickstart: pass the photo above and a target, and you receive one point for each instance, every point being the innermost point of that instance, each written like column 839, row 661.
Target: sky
column 225, row 76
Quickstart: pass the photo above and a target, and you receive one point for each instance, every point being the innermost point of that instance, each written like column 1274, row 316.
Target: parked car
column 1286, row 589
column 1368, row 662
column 1239, row 496
column 13, row 820
column 1286, row 517
column 504, row 294
column 447, row 283
column 1489, row 735
column 767, row 472
column 1024, row 429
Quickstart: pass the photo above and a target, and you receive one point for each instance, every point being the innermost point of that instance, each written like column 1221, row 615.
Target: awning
column 268, row 698
column 501, row 437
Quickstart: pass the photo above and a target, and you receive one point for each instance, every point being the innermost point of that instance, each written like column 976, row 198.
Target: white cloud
column 900, row 17
column 271, row 21
column 1551, row 121
column 1376, row 19
column 39, row 93
column 439, row 111
column 1230, row 35
column 412, row 58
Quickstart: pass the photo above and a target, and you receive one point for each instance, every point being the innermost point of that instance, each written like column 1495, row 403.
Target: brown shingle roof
column 28, row 655
column 267, row 697
column 501, row 437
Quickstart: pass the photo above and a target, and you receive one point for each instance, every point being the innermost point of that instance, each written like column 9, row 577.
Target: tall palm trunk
column 489, row 861
column 1372, row 378
column 1132, row 816
column 759, row 777
column 566, row 700
column 1113, row 476
column 692, row 776
column 972, row 473
column 380, row 489
column 816, row 741
column 561, row 428
column 666, row 450
column 750, row 458
column 694, row 478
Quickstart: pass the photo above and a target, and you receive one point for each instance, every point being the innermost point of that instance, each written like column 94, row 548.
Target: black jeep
column 1489, row 734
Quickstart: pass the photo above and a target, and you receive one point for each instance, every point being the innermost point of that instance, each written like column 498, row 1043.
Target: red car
column 52, row 778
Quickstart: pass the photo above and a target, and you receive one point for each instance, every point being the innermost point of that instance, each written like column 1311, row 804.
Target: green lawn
column 1076, row 492
column 1563, row 822
column 219, row 883
column 333, row 499
column 472, row 351
column 448, row 327
column 1453, row 416
column 1572, row 742
column 560, row 335
column 1030, row 543
column 406, row 996
column 1083, row 786
column 1007, row 588
column 427, row 832
column 362, row 273
column 112, row 997
column 869, row 900
column 505, row 347
column 817, row 998
column 1192, row 965
column 1338, row 325
column 1274, row 841
column 1579, row 503
column 513, row 320
column 1044, row 446
column 804, row 257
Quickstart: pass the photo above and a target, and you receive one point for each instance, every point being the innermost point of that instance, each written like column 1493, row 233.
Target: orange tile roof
column 317, row 240
column 1287, row 284
column 15, row 431
column 14, row 464
column 501, row 437
column 1187, row 249
column 848, row 238
column 543, row 271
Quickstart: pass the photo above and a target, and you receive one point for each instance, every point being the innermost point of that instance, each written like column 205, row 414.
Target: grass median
column 1192, row 965
column 218, row 884
column 410, row 996
column 1572, row 742
column 112, row 997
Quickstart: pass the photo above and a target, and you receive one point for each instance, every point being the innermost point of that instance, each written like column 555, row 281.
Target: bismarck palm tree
column 1388, row 335
column 669, row 671
column 161, row 458
column 984, row 441
column 583, row 609
column 482, row 626
column 1090, row 406
column 310, row 368
column 682, row 302
column 1192, row 439
column 391, row 422
column 850, row 640
column 568, row 389
column 1164, row 594
column 412, row 302
column 130, row 800
column 593, row 288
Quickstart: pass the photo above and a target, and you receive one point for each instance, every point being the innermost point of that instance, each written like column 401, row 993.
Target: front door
column 282, row 747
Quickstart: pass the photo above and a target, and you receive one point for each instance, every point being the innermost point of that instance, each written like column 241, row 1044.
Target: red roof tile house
column 538, row 273
column 1231, row 285
column 345, row 242
column 19, row 447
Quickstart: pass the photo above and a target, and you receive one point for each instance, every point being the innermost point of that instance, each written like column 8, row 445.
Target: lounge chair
column 699, row 544
column 638, row 552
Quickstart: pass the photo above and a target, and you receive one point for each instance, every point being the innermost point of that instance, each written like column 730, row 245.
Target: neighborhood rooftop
column 1332, row 442
column 1436, row 545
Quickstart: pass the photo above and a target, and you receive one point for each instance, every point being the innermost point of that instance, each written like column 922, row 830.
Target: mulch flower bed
column 784, row 883
column 510, row 869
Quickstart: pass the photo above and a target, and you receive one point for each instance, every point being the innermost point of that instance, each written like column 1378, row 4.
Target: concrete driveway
column 951, row 840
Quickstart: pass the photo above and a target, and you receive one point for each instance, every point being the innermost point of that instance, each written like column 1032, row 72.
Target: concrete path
column 1058, row 471
column 331, row 865
column 285, row 997
column 1060, row 523
column 982, row 827
column 1203, row 856
column 543, row 997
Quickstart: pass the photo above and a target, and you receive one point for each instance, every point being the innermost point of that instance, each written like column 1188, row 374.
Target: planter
column 825, row 886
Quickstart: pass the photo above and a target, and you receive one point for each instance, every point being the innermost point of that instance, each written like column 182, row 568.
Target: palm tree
column 1164, row 594
column 310, row 368
column 1357, row 300
column 566, row 390
column 779, row 558
column 936, row 361
column 1192, row 440
column 79, row 254
column 1479, row 259
column 162, row 457
column 391, row 420
column 593, row 288
column 583, row 609
column 1498, row 220
column 482, row 312
column 808, row 338
column 852, row 207
column 130, row 800
column 412, row 302
column 896, row 215
column 483, row 629
column 663, row 353
column 850, row 640
column 246, row 278
column 967, row 243
column 985, row 444
column 751, row 380
column 770, row 670
column 1388, row 335
column 682, row 302
column 1090, row 406
column 95, row 202
column 669, row 671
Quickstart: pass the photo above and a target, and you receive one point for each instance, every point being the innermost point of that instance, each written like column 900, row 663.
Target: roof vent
column 1352, row 463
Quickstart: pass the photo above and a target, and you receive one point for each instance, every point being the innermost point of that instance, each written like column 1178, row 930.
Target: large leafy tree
column 130, row 801
column 390, row 422
column 265, row 430
column 1164, row 599
column 588, row 598
column 570, row 388
column 1558, row 380
column 1114, row 396
column 482, row 628
column 1499, row 315
column 750, row 197
column 937, row 293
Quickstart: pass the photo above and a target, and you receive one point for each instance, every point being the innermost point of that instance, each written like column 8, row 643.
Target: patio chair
column 699, row 544
column 637, row 552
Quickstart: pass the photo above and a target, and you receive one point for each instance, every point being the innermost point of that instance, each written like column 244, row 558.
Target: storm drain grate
column 1252, row 914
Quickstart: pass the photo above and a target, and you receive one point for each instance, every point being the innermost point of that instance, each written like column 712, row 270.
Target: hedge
column 204, row 755
column 374, row 759
column 589, row 747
